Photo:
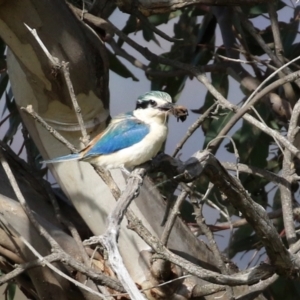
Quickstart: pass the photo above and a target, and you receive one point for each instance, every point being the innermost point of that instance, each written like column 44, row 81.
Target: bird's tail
column 68, row 157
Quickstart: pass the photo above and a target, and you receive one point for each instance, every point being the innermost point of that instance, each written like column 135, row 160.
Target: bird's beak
column 167, row 107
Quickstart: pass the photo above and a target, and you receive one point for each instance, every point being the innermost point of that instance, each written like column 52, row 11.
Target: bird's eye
column 152, row 103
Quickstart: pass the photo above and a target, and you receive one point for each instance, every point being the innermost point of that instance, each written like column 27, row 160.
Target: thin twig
column 276, row 31
column 171, row 220
column 54, row 60
column 85, row 136
column 268, row 79
column 29, row 109
column 193, row 128
column 270, row 176
column 212, row 243
column 244, row 109
column 65, row 70
column 109, row 181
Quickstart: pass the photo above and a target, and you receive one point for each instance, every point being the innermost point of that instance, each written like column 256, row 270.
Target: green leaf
column 14, row 120
column 133, row 25
column 289, row 31
column 187, row 29
column 2, row 49
column 3, row 85
column 284, row 288
column 292, row 52
column 242, row 240
column 253, row 46
column 212, row 127
column 149, row 35
column 130, row 27
column 11, row 291
column 157, row 20
column 119, row 68
column 262, row 8
column 252, row 143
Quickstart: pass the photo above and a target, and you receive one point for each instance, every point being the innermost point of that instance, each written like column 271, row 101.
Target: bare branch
column 240, row 199
column 29, row 109
column 65, row 70
column 171, row 220
column 109, row 238
column 276, row 31
column 270, row 176
column 249, row 276
column 212, row 243
column 159, row 6
column 85, row 136
column 288, row 171
column 250, row 28
column 53, row 60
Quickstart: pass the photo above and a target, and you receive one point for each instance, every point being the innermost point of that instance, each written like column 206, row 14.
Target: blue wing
column 69, row 157
column 122, row 132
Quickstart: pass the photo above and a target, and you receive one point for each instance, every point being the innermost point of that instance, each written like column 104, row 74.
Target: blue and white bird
column 130, row 139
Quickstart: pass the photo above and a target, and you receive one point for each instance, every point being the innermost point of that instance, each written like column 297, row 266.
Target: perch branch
column 109, row 238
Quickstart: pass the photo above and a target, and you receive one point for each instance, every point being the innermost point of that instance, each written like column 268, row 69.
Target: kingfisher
column 131, row 138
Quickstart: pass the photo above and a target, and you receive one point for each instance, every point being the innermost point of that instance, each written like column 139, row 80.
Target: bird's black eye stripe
column 145, row 104
column 141, row 104
column 152, row 103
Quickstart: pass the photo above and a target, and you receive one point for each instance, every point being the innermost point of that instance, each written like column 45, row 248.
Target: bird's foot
column 131, row 174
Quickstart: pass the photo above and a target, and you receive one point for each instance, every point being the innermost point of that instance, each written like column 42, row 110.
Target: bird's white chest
column 137, row 154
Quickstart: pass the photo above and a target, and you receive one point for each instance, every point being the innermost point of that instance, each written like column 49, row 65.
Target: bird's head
column 154, row 104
